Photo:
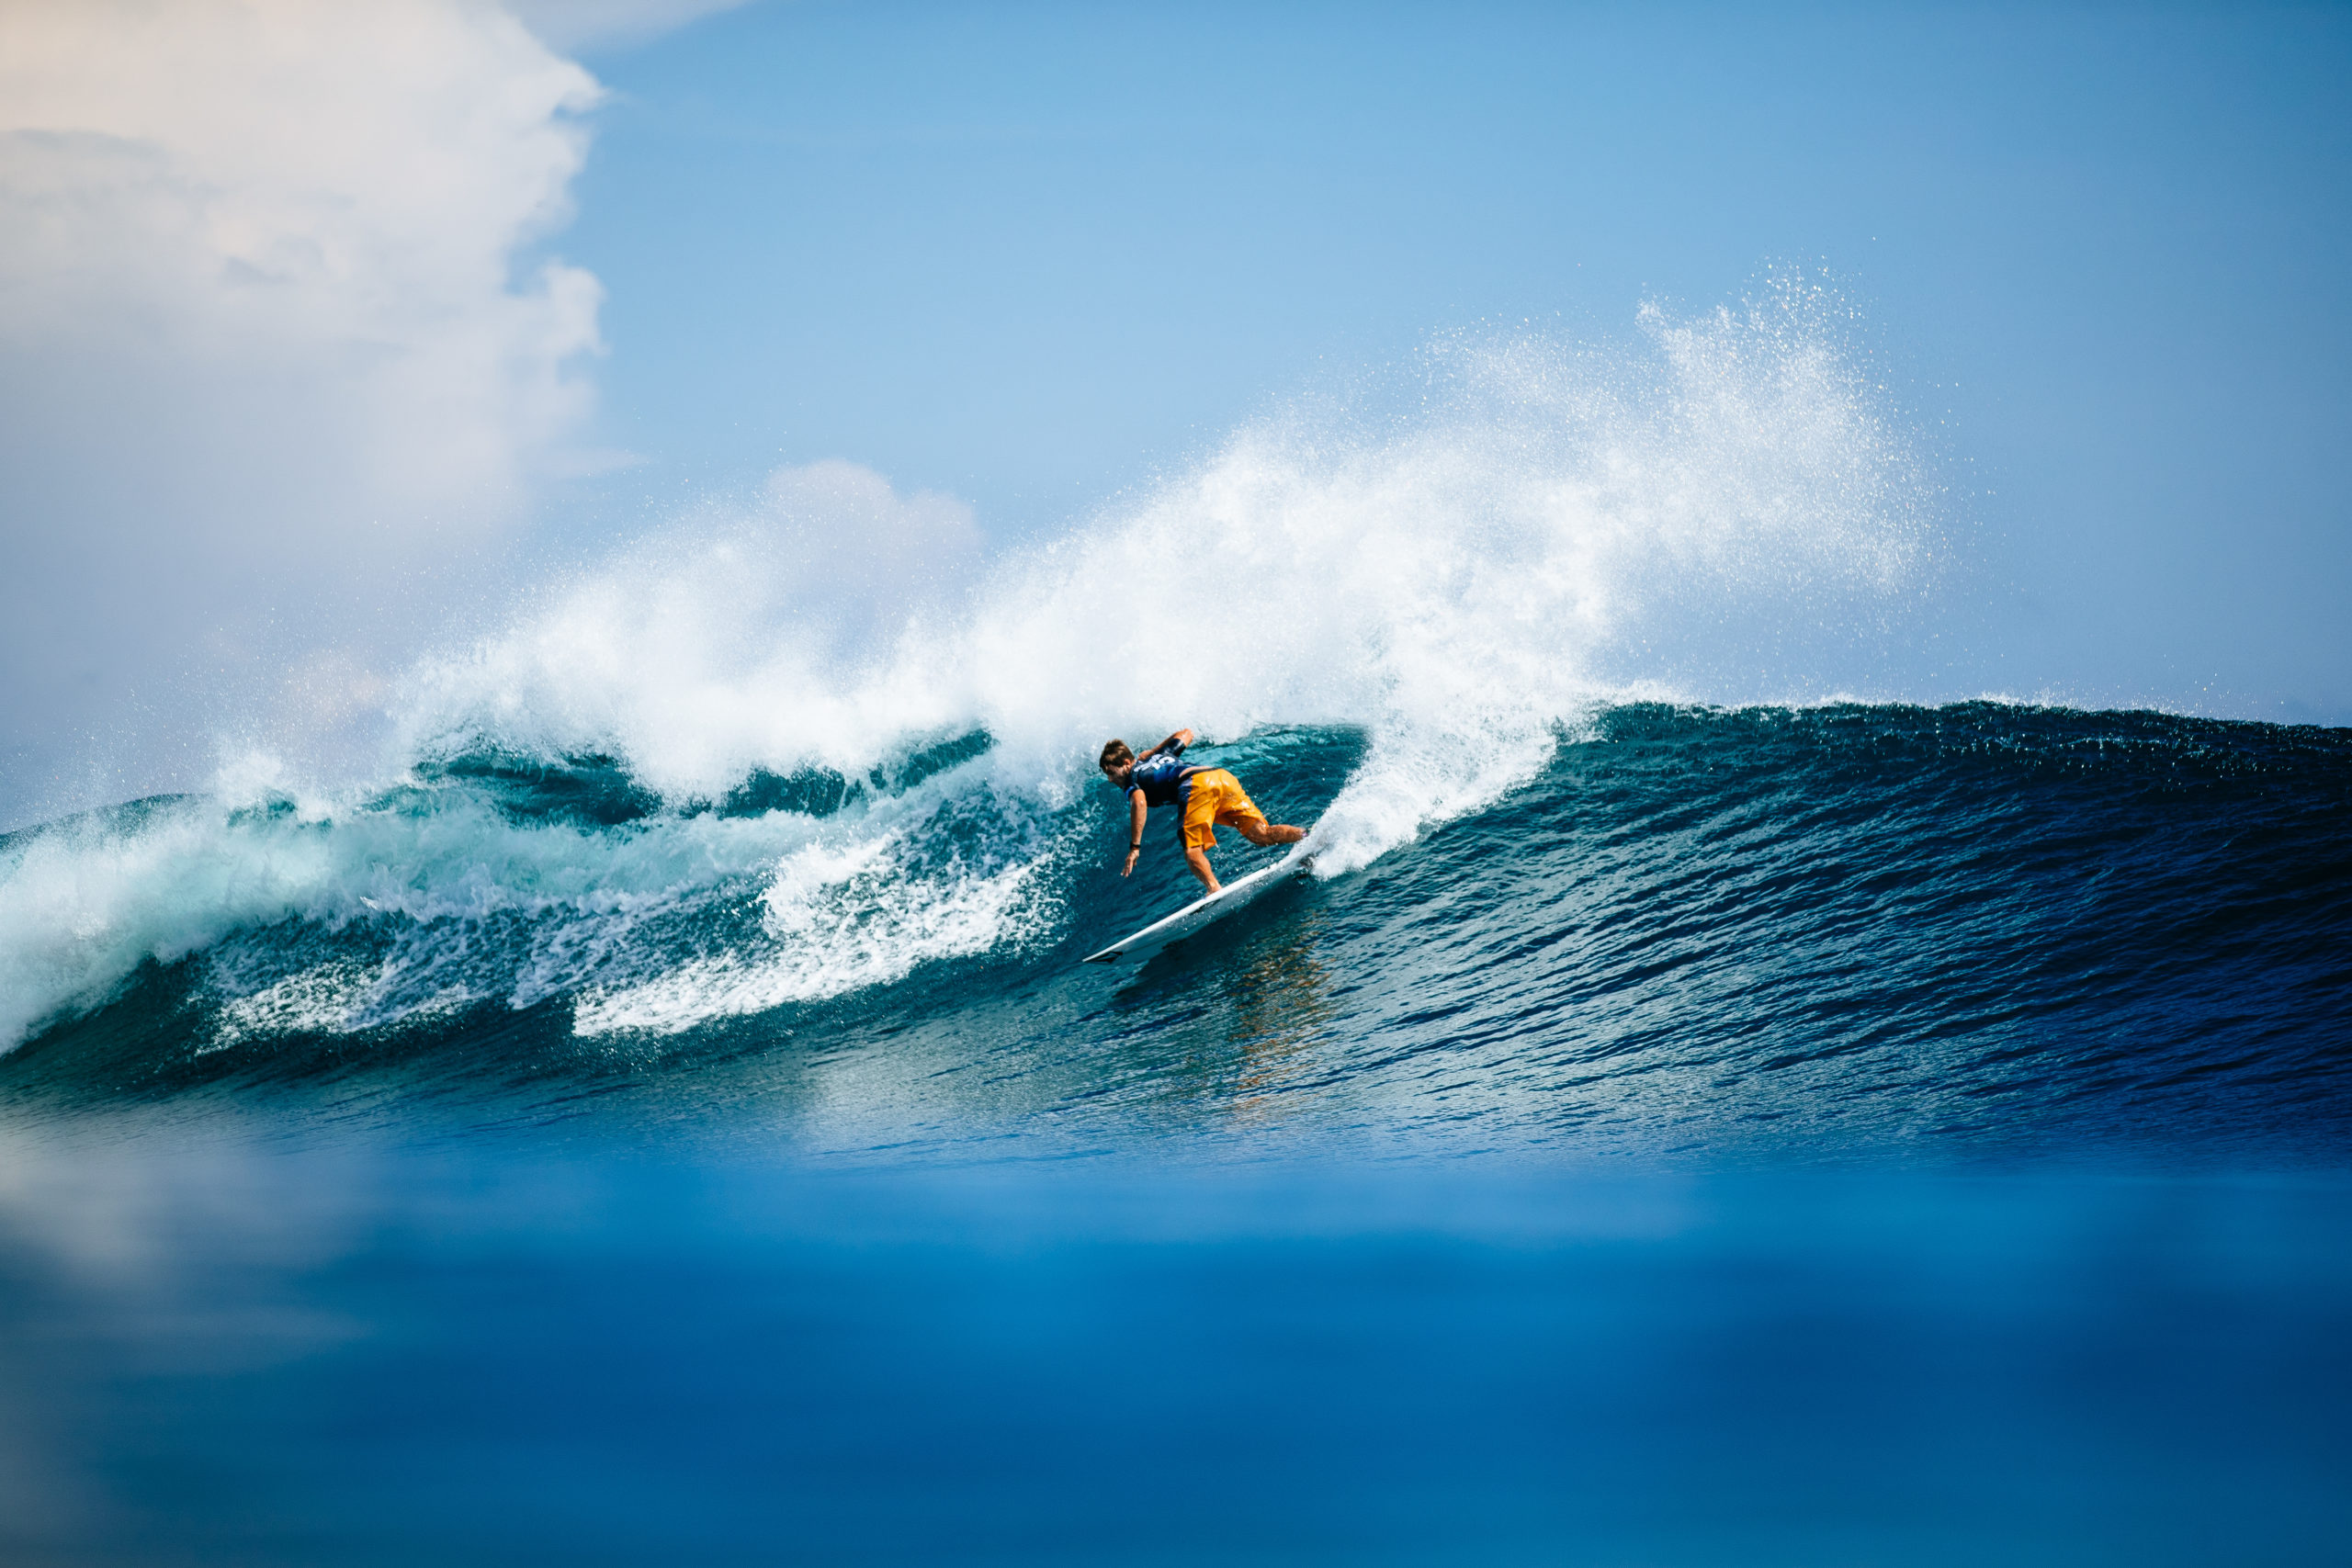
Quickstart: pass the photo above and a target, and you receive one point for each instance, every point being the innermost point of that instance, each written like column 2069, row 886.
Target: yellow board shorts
column 1215, row 796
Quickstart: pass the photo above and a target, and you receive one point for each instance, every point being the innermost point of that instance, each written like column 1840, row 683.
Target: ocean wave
column 1551, row 528
column 1828, row 925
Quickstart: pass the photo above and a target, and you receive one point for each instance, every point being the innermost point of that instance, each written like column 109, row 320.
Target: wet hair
column 1115, row 755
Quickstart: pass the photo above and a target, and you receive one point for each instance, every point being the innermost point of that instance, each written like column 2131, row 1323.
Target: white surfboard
column 1200, row 912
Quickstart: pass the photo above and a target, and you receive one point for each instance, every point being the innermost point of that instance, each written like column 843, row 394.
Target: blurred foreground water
column 218, row 1351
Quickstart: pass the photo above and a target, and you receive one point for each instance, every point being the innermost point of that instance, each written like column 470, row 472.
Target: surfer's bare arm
column 1137, row 811
column 1177, row 741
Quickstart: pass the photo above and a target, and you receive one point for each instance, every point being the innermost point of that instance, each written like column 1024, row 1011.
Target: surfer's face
column 1118, row 775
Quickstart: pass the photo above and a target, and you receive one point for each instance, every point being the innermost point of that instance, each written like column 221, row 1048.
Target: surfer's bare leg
column 1199, row 861
column 1262, row 832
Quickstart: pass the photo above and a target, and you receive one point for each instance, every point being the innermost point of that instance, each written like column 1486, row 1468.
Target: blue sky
column 1028, row 255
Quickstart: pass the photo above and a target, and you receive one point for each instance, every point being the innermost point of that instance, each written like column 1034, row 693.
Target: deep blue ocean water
column 1845, row 1134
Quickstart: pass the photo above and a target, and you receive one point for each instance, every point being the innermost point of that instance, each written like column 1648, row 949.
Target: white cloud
column 268, row 357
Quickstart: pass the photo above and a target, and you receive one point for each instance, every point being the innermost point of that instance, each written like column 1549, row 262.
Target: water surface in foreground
column 233, row 1354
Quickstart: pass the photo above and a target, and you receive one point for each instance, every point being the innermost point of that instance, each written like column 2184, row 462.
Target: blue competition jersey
column 1161, row 776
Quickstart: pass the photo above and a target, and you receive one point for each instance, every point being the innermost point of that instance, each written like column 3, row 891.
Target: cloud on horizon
column 269, row 360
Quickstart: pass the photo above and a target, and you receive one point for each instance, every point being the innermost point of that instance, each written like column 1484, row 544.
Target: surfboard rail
column 1200, row 912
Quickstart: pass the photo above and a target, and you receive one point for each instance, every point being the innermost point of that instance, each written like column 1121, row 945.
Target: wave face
column 1851, row 927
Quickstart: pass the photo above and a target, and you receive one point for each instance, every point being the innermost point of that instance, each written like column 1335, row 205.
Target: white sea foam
column 338, row 996
column 838, row 921
column 83, row 905
column 1726, row 511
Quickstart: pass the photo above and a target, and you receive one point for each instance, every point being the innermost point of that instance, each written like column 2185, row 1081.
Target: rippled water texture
column 1808, row 934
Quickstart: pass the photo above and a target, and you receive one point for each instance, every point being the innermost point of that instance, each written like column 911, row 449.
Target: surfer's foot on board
column 1261, row 832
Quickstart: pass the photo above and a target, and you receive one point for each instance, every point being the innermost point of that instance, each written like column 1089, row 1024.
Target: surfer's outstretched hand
column 1131, row 861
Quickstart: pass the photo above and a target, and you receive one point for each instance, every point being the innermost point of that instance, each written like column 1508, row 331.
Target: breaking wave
column 820, row 743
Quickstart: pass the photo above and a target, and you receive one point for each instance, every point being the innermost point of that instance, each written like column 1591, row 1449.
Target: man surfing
column 1206, row 796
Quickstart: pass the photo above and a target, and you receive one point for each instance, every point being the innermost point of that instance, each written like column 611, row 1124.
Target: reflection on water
column 1234, row 1016
column 1279, row 1005
column 223, row 1355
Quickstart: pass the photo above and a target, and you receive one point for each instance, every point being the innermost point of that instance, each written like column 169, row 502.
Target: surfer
column 1206, row 797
